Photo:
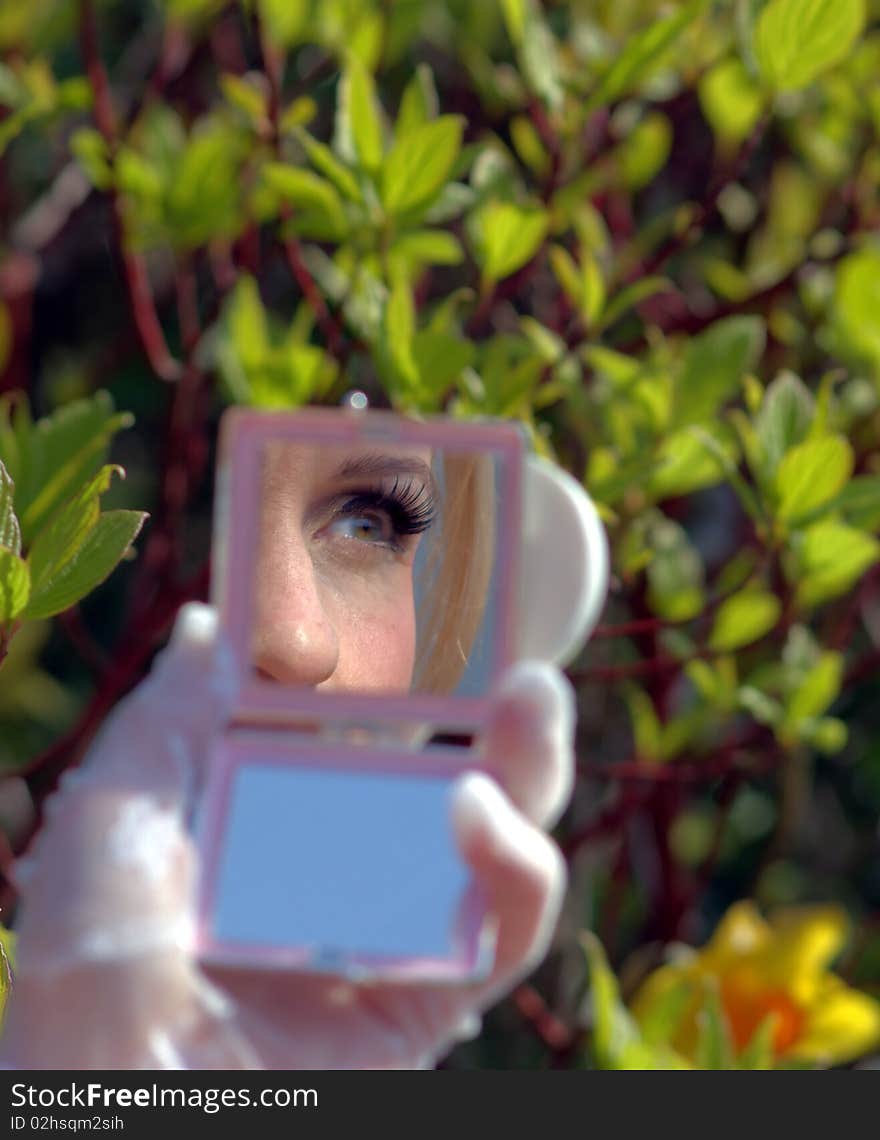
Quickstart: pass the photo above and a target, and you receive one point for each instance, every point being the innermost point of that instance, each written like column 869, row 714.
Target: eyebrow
column 382, row 466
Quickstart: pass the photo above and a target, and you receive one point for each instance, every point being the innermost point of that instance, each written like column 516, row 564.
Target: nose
column 293, row 641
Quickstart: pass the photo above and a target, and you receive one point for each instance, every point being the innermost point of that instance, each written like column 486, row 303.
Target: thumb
column 156, row 741
column 521, row 872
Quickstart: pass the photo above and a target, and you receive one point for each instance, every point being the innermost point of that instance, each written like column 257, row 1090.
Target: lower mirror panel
column 308, row 865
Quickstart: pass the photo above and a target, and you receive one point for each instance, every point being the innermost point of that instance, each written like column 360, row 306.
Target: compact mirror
column 324, row 860
column 366, row 570
column 363, row 556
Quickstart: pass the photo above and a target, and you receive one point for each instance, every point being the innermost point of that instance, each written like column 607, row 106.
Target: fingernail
column 196, row 624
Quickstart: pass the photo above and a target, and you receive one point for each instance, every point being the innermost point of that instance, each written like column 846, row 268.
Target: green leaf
column 567, row 273
column 714, row 1043
column 418, row 104
column 685, row 465
column 859, row 502
column 139, row 178
column 244, row 345
column 398, row 330
column 659, row 1020
column 645, row 150
column 646, row 727
column 528, row 145
column 857, row 302
column 74, row 94
column 632, row 295
column 15, row 585
column 419, row 164
column 797, row 40
column 290, row 376
column 297, row 114
column 427, row 247
column 675, row 573
column 10, row 532
column 203, row 197
column 764, row 709
column 244, row 96
column 360, row 107
column 592, row 287
column 758, row 1054
column 548, row 344
column 830, row 559
column 714, row 365
column 509, row 369
column 811, row 474
column 510, row 236
column 440, row 359
column 617, row 1042
column 104, row 546
column 59, row 541
column 727, row 465
column 715, row 681
column 642, row 54
column 286, row 20
column 308, row 192
column 12, row 91
column 818, row 689
column 89, row 149
column 743, row 618
column 7, row 964
column 322, row 158
column 730, row 100
column 784, row 419
column 61, row 452
column 515, row 15
column 828, row 735
column 366, row 37
column 614, row 1029
column 538, row 54
column 452, row 201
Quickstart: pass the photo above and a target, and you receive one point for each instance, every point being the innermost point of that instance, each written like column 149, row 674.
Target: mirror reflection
column 375, row 569
column 278, row 818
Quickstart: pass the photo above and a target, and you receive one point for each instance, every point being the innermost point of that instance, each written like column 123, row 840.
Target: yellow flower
column 778, row 968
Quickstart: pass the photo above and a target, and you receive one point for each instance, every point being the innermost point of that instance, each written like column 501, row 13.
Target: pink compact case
column 324, row 826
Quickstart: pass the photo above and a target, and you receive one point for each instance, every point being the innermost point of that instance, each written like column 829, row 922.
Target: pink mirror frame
column 244, row 434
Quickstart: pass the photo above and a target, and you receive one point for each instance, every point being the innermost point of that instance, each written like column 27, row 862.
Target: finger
column 112, row 874
column 149, row 1011
column 521, row 871
column 197, row 651
column 158, row 738
column 529, row 744
column 105, row 933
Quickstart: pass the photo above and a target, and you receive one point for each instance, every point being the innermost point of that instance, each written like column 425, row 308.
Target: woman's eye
column 366, row 526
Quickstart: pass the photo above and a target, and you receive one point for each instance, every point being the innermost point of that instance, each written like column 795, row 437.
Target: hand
column 105, row 975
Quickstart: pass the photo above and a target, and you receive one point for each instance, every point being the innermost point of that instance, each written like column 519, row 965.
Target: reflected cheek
column 377, row 637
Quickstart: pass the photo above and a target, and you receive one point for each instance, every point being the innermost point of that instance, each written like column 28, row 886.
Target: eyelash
column 409, row 506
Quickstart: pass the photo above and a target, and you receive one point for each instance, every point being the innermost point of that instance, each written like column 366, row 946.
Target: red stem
column 554, row 1033
column 71, row 621
column 273, row 67
column 137, row 281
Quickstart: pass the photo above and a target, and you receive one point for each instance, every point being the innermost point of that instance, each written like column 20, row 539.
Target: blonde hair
column 455, row 580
